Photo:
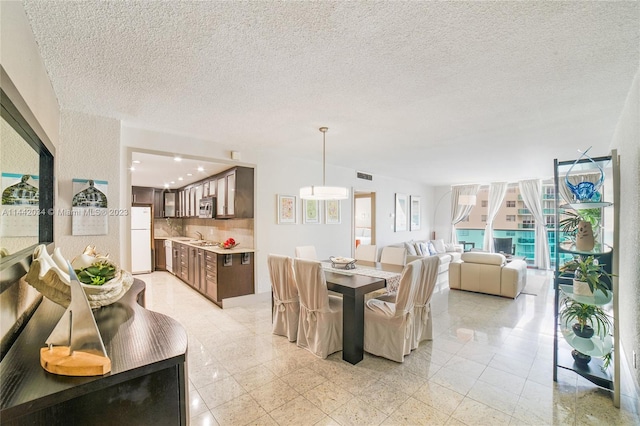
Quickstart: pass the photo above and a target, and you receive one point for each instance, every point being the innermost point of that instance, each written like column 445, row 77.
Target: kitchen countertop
column 193, row 242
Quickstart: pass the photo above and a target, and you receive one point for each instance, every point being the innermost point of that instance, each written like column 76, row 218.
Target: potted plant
column 588, row 275
column 580, row 226
column 586, row 317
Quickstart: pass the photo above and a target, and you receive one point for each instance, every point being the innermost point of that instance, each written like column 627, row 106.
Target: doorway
column 364, row 218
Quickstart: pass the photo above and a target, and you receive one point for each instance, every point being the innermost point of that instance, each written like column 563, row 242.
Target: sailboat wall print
column 89, row 207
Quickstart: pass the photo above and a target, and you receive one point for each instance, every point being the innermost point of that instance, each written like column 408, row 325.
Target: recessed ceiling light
column 177, row 159
column 173, row 181
column 166, row 185
column 180, row 178
column 136, row 161
column 189, row 174
column 201, row 169
column 132, row 168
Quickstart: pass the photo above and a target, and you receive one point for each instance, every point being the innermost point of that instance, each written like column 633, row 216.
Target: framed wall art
column 332, row 212
column 287, row 213
column 415, row 213
column 311, row 211
column 401, row 212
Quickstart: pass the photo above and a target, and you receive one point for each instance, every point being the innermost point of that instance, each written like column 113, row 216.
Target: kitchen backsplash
column 240, row 230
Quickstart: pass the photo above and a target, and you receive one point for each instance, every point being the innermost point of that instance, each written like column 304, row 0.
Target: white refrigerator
column 140, row 240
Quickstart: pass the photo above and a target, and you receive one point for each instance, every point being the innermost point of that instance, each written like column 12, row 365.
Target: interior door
column 364, row 218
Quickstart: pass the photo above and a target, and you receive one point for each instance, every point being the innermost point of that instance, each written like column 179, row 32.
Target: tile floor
column 490, row 363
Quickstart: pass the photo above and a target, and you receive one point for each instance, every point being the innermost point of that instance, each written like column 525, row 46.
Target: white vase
column 584, row 236
column 581, row 288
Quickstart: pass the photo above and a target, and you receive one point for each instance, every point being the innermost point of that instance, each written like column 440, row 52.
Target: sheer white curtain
column 497, row 191
column 460, row 208
column 531, row 192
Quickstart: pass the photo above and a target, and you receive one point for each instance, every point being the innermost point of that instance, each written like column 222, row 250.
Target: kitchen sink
column 205, row 244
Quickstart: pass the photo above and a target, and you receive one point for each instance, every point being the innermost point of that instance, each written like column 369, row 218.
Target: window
column 511, row 218
column 483, row 218
column 485, row 203
column 511, row 203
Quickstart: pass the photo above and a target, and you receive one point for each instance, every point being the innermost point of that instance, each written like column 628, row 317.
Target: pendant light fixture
column 324, row 192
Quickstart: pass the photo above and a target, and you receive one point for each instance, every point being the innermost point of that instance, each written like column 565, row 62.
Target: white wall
column 90, row 149
column 21, row 60
column 627, row 140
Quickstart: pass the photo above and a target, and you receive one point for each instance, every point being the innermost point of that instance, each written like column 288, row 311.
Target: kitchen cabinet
column 160, row 255
column 217, row 276
column 184, row 262
column 175, row 261
column 142, row 195
column 170, row 204
column 234, row 193
column 158, row 204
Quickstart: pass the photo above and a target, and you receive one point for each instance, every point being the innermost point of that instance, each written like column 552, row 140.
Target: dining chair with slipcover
column 393, row 255
column 422, row 321
column 286, row 304
column 320, row 323
column 367, row 252
column 388, row 326
column 306, row 252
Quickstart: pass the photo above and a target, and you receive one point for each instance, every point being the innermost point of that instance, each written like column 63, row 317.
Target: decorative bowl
column 228, row 247
column 343, row 262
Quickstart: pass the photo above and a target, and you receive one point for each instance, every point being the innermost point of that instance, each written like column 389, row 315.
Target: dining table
column 354, row 284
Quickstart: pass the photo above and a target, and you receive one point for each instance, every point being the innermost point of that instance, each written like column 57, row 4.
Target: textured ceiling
column 441, row 92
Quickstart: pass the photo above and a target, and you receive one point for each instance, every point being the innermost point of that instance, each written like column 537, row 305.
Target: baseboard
column 248, row 300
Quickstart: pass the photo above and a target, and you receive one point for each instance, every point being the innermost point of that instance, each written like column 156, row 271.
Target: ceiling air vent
column 365, row 176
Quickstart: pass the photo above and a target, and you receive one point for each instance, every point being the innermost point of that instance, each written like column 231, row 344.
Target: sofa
column 488, row 273
column 445, row 251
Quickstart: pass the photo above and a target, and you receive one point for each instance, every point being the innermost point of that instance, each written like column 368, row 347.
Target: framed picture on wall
column 401, row 212
column 287, row 213
column 311, row 211
column 332, row 212
column 415, row 213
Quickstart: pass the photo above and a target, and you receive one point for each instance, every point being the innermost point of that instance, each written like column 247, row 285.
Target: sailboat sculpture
column 75, row 347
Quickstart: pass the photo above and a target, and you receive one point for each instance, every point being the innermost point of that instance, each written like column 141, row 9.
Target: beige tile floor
column 490, row 363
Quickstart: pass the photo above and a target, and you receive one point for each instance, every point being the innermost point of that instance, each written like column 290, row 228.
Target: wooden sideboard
column 147, row 384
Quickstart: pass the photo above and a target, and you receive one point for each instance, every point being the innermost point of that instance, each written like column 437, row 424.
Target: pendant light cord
column 324, row 153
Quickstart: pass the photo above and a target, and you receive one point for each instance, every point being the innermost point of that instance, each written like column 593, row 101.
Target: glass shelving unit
column 606, row 341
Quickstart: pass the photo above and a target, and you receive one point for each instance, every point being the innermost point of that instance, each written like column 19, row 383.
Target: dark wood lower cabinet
column 160, row 255
column 216, row 276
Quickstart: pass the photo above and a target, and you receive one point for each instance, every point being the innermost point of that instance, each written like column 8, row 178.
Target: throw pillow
column 411, row 250
column 418, row 249
column 432, row 249
column 450, row 247
column 424, row 249
column 439, row 246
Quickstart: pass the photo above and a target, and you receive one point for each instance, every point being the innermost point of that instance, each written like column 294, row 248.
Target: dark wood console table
column 147, row 384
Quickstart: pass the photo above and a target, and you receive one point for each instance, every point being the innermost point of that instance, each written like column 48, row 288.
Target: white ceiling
column 441, row 92
column 160, row 171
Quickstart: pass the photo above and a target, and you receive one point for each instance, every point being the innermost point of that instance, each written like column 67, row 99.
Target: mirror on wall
column 26, row 178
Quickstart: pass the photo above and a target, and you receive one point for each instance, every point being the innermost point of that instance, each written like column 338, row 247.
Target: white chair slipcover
column 306, row 252
column 320, row 324
column 368, row 253
column 286, row 304
column 422, row 323
column 393, row 255
column 388, row 330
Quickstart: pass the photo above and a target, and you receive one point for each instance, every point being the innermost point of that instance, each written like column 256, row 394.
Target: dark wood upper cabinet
column 234, row 194
column 142, row 195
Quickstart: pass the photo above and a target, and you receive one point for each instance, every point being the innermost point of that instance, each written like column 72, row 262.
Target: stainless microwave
column 207, row 208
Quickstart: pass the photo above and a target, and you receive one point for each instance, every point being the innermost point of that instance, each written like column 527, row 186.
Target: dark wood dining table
column 353, row 289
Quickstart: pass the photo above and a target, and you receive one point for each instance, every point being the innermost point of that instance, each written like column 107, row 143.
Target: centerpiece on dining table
column 342, row 262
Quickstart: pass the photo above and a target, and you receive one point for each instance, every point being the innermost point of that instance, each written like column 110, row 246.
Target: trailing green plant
column 569, row 225
column 97, row 273
column 584, row 315
column 589, row 270
column 606, row 361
